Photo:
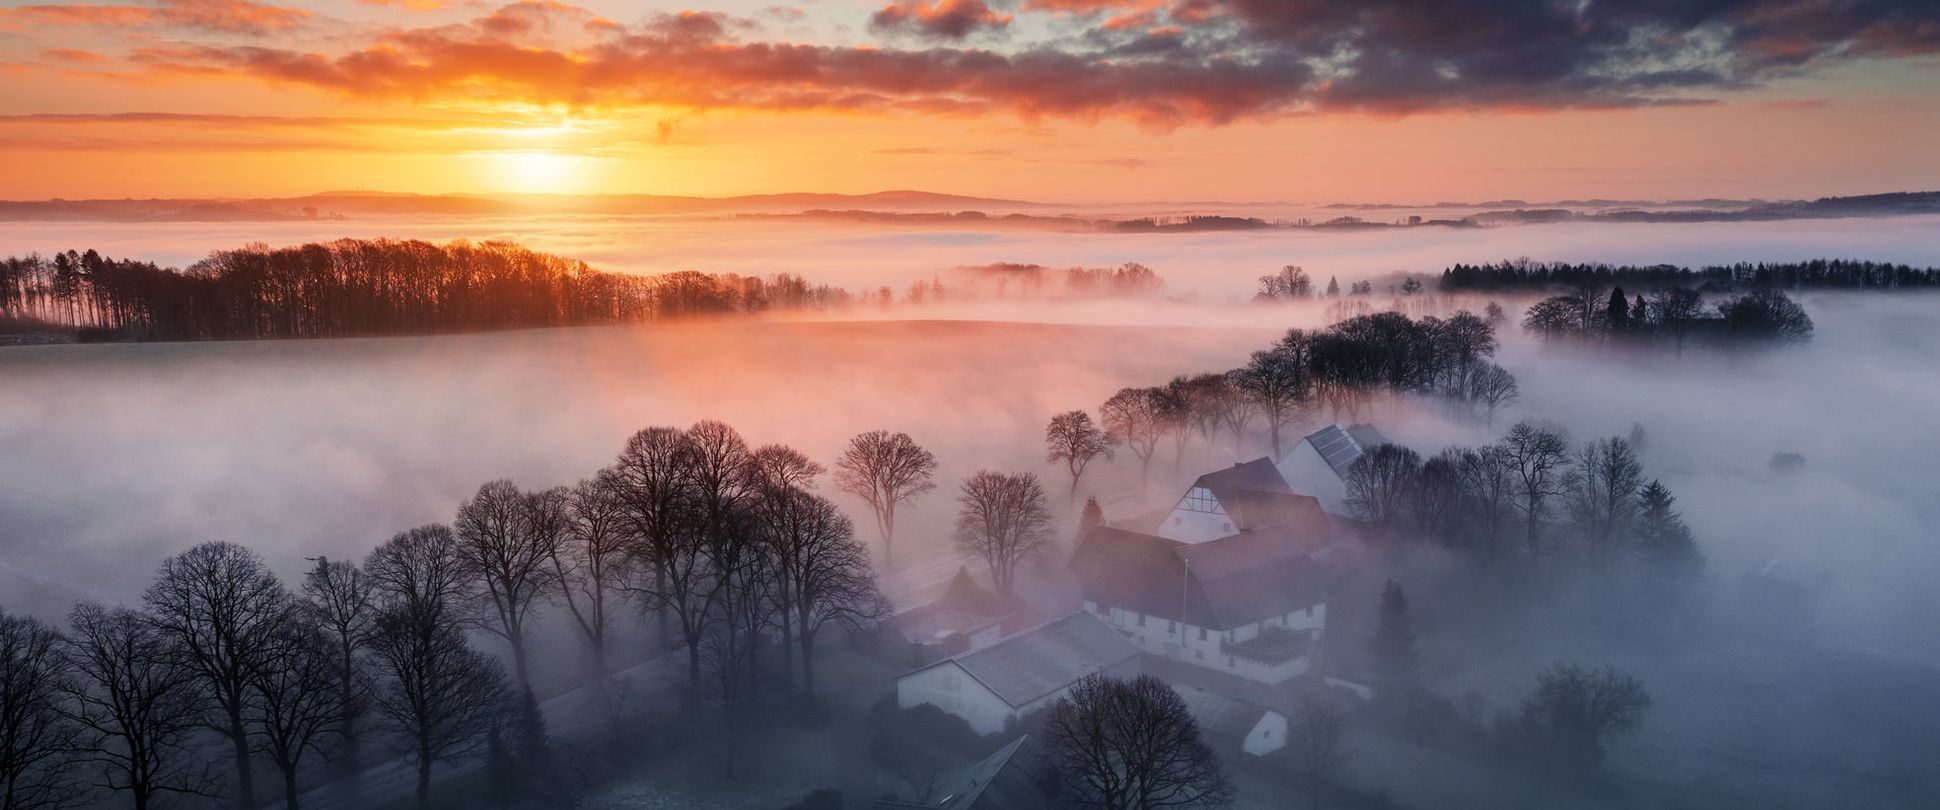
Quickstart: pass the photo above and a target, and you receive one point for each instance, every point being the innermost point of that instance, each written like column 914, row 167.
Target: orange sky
column 1070, row 100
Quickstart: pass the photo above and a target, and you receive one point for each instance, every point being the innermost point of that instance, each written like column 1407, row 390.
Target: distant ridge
column 339, row 204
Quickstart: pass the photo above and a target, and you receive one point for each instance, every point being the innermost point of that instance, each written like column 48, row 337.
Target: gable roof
column 1218, row 584
column 1337, row 447
column 1219, row 714
column 1026, row 666
column 1258, row 475
column 1366, row 436
column 1007, row 780
column 1303, row 513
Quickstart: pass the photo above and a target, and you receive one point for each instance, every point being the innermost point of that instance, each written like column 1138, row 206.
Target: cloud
column 942, row 19
column 242, row 17
column 1158, row 64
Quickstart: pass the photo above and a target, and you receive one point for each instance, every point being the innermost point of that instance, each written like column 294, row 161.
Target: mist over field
column 117, row 456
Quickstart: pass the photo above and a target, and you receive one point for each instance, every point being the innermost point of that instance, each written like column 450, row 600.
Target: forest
column 1523, row 275
column 356, row 288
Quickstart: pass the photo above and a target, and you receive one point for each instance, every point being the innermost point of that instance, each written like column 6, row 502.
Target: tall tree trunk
column 245, row 780
column 424, row 777
column 808, row 663
column 517, row 639
column 289, row 788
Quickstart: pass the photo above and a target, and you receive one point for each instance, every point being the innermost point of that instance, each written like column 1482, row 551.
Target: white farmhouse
column 994, row 686
column 1318, row 465
column 1252, row 604
column 1222, row 504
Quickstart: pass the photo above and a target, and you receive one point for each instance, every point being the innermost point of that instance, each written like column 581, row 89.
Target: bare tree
column 1139, row 417
column 138, row 703
column 1491, row 388
column 37, row 735
column 1132, row 744
column 1003, row 520
column 1317, row 735
column 592, row 563
column 297, row 706
column 506, row 539
column 1074, row 439
column 1575, row 711
column 652, row 481
column 220, row 608
column 1603, row 493
column 1278, row 381
column 824, row 574
column 343, row 603
column 885, row 470
column 1490, row 477
column 1380, row 482
column 1538, row 456
column 440, row 694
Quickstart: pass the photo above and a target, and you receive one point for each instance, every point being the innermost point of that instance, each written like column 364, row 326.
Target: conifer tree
column 1393, row 648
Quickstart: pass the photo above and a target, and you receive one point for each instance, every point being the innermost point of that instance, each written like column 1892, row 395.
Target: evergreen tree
column 1393, row 648
column 1618, row 312
column 1092, row 517
column 1333, row 287
column 1663, row 541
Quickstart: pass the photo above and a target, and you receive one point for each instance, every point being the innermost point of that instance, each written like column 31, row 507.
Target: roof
column 1366, row 436
column 1027, row 666
column 1220, row 584
column 1010, row 779
column 1259, row 510
column 1258, row 475
column 1219, row 714
column 925, row 624
column 1337, row 447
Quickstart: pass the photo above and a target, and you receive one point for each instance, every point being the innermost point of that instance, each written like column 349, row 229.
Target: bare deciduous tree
column 1575, row 711
column 297, row 706
column 1139, row 417
column 1491, row 388
column 37, row 736
column 823, row 573
column 1379, row 484
column 1002, row 520
column 652, row 482
column 1537, row 455
column 1317, row 736
column 1602, row 494
column 592, row 562
column 506, row 539
column 221, row 608
column 343, row 603
column 440, row 694
column 1072, row 438
column 138, row 703
column 885, row 470
column 1278, row 381
column 1132, row 745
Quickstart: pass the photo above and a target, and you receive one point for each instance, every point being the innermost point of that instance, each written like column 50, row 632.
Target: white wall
column 1309, row 474
column 1189, row 525
column 1201, row 646
column 947, row 687
column 1268, row 735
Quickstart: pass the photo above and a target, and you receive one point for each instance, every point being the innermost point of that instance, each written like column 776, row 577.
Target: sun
column 539, row 172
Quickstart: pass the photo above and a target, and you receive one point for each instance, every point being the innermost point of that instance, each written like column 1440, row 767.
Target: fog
column 114, row 456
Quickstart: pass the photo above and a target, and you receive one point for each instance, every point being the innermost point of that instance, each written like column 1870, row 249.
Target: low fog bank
column 1211, row 266
column 119, row 455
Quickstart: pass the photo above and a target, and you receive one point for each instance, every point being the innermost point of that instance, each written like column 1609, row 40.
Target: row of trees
column 1343, row 368
column 727, row 545
column 1523, row 274
column 1530, row 483
column 1671, row 314
column 371, row 287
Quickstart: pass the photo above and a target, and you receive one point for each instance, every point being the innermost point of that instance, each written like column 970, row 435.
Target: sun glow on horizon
column 540, row 172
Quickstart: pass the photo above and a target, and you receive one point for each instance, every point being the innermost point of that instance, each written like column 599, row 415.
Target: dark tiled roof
column 1300, row 513
column 1014, row 778
column 1258, row 475
column 1220, row 584
column 1036, row 662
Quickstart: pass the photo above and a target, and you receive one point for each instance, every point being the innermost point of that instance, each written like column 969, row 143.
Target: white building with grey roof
column 994, row 686
column 1318, row 465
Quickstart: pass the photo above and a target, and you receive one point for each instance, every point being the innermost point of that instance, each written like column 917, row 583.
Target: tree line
column 726, row 547
column 1526, row 275
column 1670, row 315
column 1343, row 369
column 1529, row 496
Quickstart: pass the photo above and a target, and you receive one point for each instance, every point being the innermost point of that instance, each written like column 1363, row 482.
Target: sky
column 1081, row 101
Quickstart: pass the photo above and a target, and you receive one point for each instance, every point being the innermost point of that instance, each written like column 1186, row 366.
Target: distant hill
column 340, row 204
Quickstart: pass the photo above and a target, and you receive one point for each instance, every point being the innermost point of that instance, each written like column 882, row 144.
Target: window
column 1201, row 654
column 1178, row 521
column 1201, row 499
column 1202, row 634
column 1172, row 627
column 1226, row 526
column 1141, row 620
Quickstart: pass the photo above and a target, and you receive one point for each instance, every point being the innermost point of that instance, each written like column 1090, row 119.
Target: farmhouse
column 966, row 617
column 994, row 686
column 1252, row 604
column 1242, row 497
column 1318, row 465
